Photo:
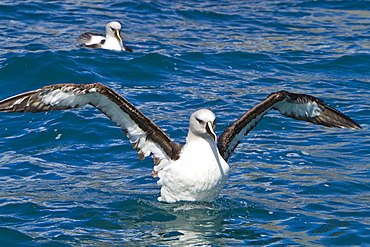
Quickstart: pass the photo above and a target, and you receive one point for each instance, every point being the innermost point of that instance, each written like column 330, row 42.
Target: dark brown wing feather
column 298, row 106
column 67, row 96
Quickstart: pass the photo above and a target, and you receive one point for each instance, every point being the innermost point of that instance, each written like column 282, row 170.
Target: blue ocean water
column 72, row 179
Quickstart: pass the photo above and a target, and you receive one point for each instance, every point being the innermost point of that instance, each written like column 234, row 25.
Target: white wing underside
column 136, row 135
column 308, row 110
column 68, row 97
column 95, row 40
column 298, row 106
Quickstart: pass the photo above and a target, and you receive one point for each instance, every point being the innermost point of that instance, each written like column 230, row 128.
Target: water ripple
column 71, row 178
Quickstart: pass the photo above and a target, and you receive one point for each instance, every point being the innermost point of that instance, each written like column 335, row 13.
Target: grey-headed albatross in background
column 112, row 40
column 197, row 170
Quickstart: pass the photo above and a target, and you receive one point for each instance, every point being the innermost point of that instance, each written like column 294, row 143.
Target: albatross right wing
column 146, row 137
column 298, row 106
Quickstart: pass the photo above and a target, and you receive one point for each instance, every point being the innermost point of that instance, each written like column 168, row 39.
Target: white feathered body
column 112, row 43
column 198, row 175
column 109, row 42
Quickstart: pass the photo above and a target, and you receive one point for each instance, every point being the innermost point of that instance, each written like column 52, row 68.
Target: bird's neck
column 191, row 138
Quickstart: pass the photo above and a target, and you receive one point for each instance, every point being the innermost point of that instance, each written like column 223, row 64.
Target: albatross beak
column 118, row 35
column 210, row 131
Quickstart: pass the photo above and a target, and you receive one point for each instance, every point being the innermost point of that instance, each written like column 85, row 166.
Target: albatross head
column 202, row 124
column 113, row 30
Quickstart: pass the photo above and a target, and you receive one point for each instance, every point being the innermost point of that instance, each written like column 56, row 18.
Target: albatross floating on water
column 112, row 41
column 196, row 171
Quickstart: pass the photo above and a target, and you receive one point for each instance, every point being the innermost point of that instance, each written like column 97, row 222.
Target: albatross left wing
column 146, row 137
column 298, row 106
column 91, row 40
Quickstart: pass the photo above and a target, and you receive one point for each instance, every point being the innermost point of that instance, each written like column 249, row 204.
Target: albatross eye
column 199, row 120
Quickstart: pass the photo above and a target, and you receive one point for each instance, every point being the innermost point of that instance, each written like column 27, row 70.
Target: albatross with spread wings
column 111, row 41
column 197, row 170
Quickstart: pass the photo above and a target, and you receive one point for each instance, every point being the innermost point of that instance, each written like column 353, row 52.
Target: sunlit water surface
column 72, row 179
